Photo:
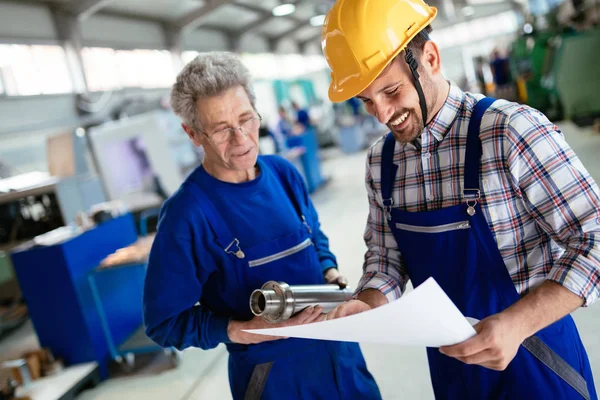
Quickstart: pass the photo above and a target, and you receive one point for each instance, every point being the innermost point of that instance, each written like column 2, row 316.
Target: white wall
column 24, row 22
column 266, row 102
column 252, row 43
column 204, row 40
column 104, row 30
column 452, row 64
column 287, row 46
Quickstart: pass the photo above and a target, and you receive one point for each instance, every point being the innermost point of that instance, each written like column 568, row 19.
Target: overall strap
column 287, row 187
column 471, row 192
column 284, row 180
column 388, row 173
column 229, row 243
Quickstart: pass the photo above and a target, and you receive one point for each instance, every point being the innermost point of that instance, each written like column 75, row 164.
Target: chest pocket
column 291, row 259
column 282, row 254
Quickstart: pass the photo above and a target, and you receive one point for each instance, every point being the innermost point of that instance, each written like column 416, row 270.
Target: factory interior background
column 90, row 149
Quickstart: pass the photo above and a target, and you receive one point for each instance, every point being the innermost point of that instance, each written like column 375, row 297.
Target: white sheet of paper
column 424, row 317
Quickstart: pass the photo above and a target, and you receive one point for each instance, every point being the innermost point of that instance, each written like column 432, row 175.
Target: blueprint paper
column 423, row 317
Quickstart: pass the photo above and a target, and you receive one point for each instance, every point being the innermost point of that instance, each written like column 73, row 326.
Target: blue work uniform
column 456, row 247
column 284, row 127
column 303, row 118
column 216, row 243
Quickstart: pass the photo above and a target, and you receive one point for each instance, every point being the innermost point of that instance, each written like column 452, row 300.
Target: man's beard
column 415, row 117
column 414, row 127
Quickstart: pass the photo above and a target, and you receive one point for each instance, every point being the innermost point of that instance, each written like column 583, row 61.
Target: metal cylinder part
column 278, row 301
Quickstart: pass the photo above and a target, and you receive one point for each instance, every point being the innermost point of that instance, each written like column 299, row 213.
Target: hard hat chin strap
column 414, row 65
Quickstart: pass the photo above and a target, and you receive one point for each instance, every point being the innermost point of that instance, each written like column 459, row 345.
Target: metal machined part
column 278, row 301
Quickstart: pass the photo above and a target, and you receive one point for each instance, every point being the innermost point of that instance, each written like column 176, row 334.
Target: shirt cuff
column 388, row 286
column 580, row 280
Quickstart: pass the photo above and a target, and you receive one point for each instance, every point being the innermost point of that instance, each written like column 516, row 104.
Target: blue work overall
column 286, row 368
column 456, row 247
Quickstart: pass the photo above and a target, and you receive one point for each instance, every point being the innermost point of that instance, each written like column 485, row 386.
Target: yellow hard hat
column 361, row 37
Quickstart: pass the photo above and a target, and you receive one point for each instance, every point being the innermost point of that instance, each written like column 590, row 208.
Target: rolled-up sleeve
column 561, row 196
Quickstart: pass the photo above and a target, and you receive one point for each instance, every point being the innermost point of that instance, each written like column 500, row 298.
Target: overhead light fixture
column 468, row 11
column 284, row 9
column 317, row 20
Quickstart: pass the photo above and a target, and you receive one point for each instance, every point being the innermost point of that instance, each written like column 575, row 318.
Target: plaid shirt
column 540, row 202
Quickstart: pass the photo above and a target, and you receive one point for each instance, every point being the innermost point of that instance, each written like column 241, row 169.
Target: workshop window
column 188, row 56
column 145, row 68
column 481, row 28
column 34, row 70
column 100, row 68
column 109, row 69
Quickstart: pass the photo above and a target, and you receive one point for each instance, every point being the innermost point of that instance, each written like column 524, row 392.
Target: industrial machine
column 556, row 66
column 37, row 202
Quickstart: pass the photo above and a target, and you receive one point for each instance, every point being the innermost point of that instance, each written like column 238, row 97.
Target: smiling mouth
column 399, row 121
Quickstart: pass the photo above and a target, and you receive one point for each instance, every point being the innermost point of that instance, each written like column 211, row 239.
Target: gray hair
column 209, row 74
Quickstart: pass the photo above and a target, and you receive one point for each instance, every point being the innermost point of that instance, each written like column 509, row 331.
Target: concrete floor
column 401, row 373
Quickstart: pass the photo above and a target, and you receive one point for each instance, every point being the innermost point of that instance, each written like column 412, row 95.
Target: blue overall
column 300, row 369
column 459, row 251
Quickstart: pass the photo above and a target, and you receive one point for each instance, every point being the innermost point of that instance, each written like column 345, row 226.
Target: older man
column 238, row 221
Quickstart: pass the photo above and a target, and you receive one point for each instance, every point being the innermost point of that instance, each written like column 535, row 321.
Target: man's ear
column 431, row 58
column 194, row 136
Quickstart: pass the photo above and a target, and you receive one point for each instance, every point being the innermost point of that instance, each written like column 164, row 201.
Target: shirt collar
column 441, row 124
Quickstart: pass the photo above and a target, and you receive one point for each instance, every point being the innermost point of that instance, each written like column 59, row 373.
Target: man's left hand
column 494, row 347
column 333, row 276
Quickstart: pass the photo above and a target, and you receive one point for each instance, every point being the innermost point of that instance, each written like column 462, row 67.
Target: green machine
column 576, row 76
column 532, row 61
column 6, row 269
column 557, row 71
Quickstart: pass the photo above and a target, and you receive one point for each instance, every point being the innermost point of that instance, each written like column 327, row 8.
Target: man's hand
column 235, row 329
column 349, row 308
column 494, row 347
column 499, row 336
column 332, row 275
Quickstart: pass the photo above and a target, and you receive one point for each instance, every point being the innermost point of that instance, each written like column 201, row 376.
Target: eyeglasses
column 247, row 127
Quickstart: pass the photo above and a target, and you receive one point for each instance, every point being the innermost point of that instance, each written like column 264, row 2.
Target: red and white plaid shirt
column 541, row 204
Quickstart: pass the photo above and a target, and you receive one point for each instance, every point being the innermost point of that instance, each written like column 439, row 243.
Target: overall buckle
column 387, row 208
column 234, row 248
column 471, row 197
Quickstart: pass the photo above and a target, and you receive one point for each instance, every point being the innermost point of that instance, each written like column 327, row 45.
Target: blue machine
column 102, row 281
column 54, row 282
column 131, row 275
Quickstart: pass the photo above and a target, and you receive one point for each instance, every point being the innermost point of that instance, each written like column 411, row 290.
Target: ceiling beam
column 234, row 42
column 261, row 11
column 196, row 17
column 256, row 24
column 298, row 26
column 265, row 17
column 83, row 9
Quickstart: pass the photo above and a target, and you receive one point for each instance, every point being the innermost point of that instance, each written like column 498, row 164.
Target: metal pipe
column 278, row 301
